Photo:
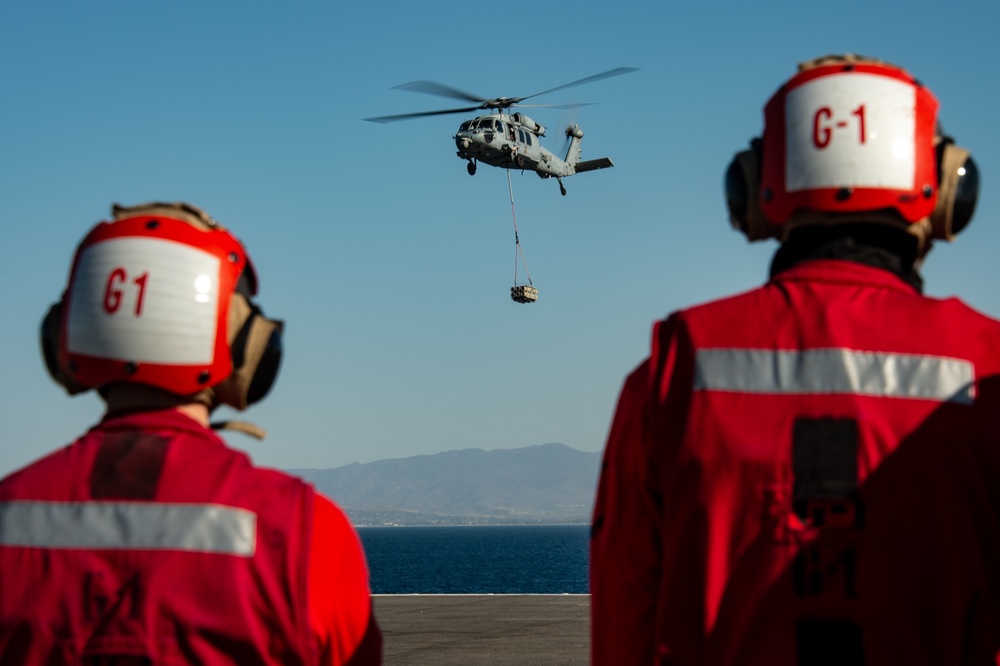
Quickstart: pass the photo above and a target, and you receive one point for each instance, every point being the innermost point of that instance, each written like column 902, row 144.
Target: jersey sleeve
column 623, row 562
column 340, row 605
column 626, row 556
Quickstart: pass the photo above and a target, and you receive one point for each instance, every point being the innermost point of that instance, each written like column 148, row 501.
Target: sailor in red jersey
column 148, row 540
column 809, row 473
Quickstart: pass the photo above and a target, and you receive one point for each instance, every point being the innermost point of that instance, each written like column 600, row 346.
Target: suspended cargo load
column 519, row 293
column 523, row 293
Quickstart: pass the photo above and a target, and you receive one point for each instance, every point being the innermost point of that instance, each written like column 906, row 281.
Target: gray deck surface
column 473, row 629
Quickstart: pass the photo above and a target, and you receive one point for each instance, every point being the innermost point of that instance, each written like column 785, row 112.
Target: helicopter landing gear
column 562, row 188
column 471, row 168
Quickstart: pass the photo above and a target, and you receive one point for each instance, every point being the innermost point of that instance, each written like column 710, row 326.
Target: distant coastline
column 544, row 484
column 369, row 518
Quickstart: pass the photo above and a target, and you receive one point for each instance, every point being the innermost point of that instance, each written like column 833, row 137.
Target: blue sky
column 390, row 265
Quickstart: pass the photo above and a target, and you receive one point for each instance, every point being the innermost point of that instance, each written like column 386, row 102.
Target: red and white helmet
column 850, row 138
column 162, row 295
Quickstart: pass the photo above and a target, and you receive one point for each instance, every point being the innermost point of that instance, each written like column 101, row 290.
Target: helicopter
column 510, row 140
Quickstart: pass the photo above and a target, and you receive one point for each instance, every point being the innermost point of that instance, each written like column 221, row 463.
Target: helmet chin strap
column 130, row 398
column 207, row 398
column 245, row 427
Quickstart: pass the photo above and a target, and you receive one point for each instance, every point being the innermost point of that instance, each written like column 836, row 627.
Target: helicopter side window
column 527, row 136
column 499, row 126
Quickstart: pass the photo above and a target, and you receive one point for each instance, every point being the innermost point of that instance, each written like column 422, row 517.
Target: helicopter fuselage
column 512, row 141
column 509, row 141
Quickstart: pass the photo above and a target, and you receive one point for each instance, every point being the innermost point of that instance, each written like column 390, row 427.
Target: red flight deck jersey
column 150, row 539
column 807, row 473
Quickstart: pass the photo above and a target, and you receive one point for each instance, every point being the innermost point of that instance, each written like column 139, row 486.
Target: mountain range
column 546, row 483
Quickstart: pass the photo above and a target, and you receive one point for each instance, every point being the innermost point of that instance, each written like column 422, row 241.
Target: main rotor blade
column 617, row 71
column 440, row 89
column 572, row 105
column 419, row 114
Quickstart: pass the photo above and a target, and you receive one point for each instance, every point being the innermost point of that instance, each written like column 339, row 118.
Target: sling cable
column 519, row 293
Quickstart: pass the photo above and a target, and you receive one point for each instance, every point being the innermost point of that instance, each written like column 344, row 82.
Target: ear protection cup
column 958, row 190
column 256, row 352
column 48, row 333
column 268, row 360
column 743, row 195
column 50, row 346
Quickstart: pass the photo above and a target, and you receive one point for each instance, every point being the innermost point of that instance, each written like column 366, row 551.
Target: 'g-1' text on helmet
column 162, row 295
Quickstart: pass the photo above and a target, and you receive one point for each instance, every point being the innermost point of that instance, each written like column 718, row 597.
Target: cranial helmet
column 851, row 139
column 162, row 295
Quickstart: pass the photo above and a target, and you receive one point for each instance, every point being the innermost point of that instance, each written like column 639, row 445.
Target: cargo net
column 519, row 293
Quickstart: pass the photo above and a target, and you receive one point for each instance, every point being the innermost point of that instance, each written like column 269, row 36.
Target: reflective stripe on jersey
column 204, row 528
column 835, row 371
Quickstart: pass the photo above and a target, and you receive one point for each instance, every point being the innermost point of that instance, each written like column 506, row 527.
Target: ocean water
column 507, row 559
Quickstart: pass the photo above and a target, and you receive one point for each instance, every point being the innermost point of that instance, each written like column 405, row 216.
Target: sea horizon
column 493, row 559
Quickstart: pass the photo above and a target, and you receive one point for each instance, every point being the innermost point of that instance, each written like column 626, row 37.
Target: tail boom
column 573, row 154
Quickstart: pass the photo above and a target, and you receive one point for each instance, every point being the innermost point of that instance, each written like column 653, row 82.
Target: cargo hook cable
column 517, row 241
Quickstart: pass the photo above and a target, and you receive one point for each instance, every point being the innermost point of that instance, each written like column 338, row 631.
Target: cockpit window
column 485, row 124
column 464, row 127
